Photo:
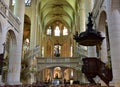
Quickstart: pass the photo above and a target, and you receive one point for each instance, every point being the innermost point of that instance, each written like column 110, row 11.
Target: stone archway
column 8, row 48
column 26, row 35
column 10, row 55
column 105, row 53
column 59, row 72
column 102, row 27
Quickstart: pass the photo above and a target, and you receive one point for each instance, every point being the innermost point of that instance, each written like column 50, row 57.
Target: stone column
column 52, row 74
column 13, row 77
column 82, row 15
column 33, row 32
column 88, row 6
column 91, row 49
column 114, row 34
column 62, row 72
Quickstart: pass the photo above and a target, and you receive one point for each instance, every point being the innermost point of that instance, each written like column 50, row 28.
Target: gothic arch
column 10, row 52
column 103, row 28
column 102, row 21
column 10, row 45
column 27, row 26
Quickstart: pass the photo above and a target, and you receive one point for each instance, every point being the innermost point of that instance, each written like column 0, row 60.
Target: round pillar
column 114, row 34
column 82, row 15
column 13, row 77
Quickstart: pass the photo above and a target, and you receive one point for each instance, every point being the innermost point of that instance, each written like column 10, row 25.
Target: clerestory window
column 57, row 31
column 49, row 31
column 65, row 31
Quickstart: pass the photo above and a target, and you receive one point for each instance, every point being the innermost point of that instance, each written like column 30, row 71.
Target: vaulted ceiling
column 52, row 11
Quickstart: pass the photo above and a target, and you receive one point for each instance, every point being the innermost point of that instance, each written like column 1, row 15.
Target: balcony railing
column 58, row 60
column 8, row 14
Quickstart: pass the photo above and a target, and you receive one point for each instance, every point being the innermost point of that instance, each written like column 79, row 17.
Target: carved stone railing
column 8, row 14
column 81, row 51
column 32, row 53
column 72, row 62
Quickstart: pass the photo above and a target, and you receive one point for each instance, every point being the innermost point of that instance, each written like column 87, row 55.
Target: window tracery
column 57, row 31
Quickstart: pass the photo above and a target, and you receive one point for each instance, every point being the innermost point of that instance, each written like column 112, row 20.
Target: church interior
column 59, row 43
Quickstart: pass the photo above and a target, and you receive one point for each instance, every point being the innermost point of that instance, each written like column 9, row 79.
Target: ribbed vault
column 57, row 10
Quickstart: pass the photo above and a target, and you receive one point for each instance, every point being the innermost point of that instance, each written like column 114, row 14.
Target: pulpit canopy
column 90, row 37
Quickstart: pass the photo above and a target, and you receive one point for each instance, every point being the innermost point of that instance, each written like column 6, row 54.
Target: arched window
column 65, row 31
column 57, row 31
column 49, row 31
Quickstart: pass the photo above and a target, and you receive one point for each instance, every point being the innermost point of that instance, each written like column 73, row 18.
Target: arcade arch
column 103, row 28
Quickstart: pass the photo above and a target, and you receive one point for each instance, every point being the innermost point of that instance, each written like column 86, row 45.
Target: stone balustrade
column 57, row 60
column 72, row 62
column 8, row 14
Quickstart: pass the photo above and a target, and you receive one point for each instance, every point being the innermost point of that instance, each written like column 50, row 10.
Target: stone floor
column 75, row 85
